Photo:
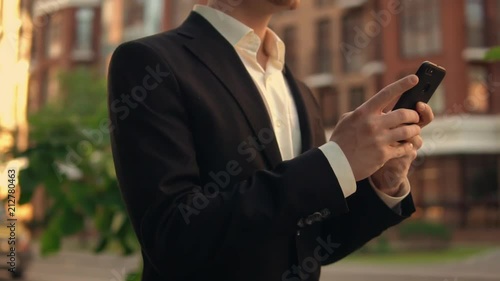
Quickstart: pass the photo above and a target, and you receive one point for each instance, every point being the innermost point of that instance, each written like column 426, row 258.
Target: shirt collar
column 240, row 35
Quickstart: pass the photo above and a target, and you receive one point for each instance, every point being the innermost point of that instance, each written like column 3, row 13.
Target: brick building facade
column 348, row 50
column 66, row 34
column 345, row 50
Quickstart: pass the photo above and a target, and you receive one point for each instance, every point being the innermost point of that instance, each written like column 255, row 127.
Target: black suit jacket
column 200, row 170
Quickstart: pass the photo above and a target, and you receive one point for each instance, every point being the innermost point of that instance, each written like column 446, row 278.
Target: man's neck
column 252, row 18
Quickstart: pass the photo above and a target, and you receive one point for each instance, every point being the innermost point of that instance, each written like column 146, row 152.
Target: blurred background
column 71, row 223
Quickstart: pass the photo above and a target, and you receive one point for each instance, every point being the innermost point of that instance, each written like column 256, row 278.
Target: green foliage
column 70, row 156
column 378, row 246
column 134, row 276
column 493, row 54
column 423, row 229
column 383, row 246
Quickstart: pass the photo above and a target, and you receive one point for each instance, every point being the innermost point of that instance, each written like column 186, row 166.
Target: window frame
column 403, row 53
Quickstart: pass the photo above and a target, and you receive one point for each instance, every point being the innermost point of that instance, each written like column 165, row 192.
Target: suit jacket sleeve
column 367, row 218
column 177, row 225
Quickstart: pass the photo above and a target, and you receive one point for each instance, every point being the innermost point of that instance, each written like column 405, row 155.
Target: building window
column 290, row 40
column 53, row 44
column 134, row 12
column 323, row 54
column 134, row 19
column 420, row 31
column 481, row 188
column 154, row 10
column 353, row 57
column 84, row 27
column 478, row 96
column 356, row 97
column 328, row 100
column 475, row 21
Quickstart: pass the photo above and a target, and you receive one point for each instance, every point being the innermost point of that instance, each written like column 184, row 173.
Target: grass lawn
column 453, row 254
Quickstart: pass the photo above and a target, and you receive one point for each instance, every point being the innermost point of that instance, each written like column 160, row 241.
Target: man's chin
column 292, row 5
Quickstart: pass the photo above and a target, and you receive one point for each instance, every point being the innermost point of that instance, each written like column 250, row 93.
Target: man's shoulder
column 161, row 48
column 157, row 42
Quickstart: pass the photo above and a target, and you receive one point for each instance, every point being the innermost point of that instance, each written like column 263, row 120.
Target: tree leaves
column 70, row 156
column 493, row 54
column 50, row 242
column 29, row 182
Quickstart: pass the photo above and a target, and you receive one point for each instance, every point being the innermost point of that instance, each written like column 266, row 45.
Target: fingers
column 403, row 133
column 400, row 117
column 415, row 144
column 390, row 105
column 426, row 114
column 416, row 141
column 401, row 150
column 387, row 95
column 410, row 146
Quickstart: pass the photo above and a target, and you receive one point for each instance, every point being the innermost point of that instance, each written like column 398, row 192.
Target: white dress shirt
column 277, row 96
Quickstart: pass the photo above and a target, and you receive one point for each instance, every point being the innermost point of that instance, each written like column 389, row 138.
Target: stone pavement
column 74, row 266
column 484, row 267
column 77, row 266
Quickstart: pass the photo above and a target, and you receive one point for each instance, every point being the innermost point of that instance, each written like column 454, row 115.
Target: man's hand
column 391, row 176
column 369, row 137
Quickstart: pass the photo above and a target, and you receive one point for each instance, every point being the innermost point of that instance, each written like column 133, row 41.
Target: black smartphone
column 430, row 76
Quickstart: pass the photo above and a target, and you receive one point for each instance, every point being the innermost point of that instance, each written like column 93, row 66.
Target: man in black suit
column 222, row 159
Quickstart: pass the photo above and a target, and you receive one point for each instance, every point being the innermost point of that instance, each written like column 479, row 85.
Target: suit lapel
column 304, row 115
column 220, row 57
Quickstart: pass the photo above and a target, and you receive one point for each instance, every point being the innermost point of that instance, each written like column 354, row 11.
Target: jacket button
column 317, row 216
column 309, row 220
column 325, row 213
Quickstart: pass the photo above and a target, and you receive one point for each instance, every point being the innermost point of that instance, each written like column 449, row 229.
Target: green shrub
column 493, row 54
column 420, row 229
column 382, row 246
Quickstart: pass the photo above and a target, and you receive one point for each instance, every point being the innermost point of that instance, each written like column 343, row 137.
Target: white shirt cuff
column 392, row 201
column 340, row 166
